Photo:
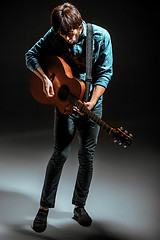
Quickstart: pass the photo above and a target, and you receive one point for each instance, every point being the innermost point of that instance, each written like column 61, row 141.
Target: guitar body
column 64, row 84
column 68, row 93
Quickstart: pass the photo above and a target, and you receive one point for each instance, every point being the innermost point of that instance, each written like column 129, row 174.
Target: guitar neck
column 89, row 113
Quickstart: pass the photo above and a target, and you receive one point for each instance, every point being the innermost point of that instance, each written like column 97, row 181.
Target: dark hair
column 65, row 17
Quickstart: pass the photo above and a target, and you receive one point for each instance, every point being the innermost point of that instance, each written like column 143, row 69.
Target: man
column 66, row 39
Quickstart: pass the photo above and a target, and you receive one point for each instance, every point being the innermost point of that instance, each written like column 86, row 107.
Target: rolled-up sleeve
column 104, row 69
column 43, row 46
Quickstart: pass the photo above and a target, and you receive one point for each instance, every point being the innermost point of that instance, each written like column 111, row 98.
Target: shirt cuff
column 102, row 81
column 33, row 65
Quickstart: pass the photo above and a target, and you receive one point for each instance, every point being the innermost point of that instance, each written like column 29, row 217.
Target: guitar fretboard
column 89, row 113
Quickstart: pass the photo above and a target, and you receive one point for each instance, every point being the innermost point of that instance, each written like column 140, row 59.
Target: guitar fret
column 87, row 112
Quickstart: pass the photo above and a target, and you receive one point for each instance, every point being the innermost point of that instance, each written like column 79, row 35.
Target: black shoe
column 82, row 217
column 40, row 221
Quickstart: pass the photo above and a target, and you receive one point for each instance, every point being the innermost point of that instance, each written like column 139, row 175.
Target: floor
column 123, row 199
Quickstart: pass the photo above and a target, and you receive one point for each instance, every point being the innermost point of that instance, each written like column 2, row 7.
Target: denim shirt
column 75, row 55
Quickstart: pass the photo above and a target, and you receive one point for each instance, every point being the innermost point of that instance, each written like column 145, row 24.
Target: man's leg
column 64, row 133
column 88, row 134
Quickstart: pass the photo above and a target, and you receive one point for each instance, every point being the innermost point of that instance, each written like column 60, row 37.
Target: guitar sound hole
column 63, row 93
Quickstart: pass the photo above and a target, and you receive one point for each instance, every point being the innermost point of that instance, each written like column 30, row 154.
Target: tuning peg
column 130, row 135
column 122, row 128
column 124, row 146
column 115, row 141
column 119, row 143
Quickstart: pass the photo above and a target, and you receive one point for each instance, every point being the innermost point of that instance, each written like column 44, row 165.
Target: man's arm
column 102, row 71
column 98, row 91
column 47, row 84
column 41, row 48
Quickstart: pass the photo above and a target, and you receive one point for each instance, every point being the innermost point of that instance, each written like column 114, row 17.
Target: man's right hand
column 47, row 84
column 48, row 87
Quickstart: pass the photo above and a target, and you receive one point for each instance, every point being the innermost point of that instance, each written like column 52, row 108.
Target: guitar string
column 86, row 111
column 96, row 119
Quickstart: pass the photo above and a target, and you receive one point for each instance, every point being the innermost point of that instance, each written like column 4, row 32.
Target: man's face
column 72, row 36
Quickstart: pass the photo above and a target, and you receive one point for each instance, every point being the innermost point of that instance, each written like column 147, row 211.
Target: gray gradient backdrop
column 124, row 195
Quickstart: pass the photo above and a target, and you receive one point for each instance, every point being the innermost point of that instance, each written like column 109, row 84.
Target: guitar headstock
column 122, row 137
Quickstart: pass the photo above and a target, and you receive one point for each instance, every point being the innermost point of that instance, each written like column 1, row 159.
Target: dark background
column 131, row 99
column 124, row 198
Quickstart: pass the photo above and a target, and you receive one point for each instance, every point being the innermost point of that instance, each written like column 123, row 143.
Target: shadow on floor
column 17, row 212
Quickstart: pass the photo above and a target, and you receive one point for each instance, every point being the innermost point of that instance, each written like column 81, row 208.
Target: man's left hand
column 89, row 105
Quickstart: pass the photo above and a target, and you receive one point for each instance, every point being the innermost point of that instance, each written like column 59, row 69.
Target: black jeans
column 65, row 128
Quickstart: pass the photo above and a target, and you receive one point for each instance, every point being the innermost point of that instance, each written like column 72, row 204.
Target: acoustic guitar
column 69, row 92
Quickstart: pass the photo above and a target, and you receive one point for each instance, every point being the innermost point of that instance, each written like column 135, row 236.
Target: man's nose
column 74, row 38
